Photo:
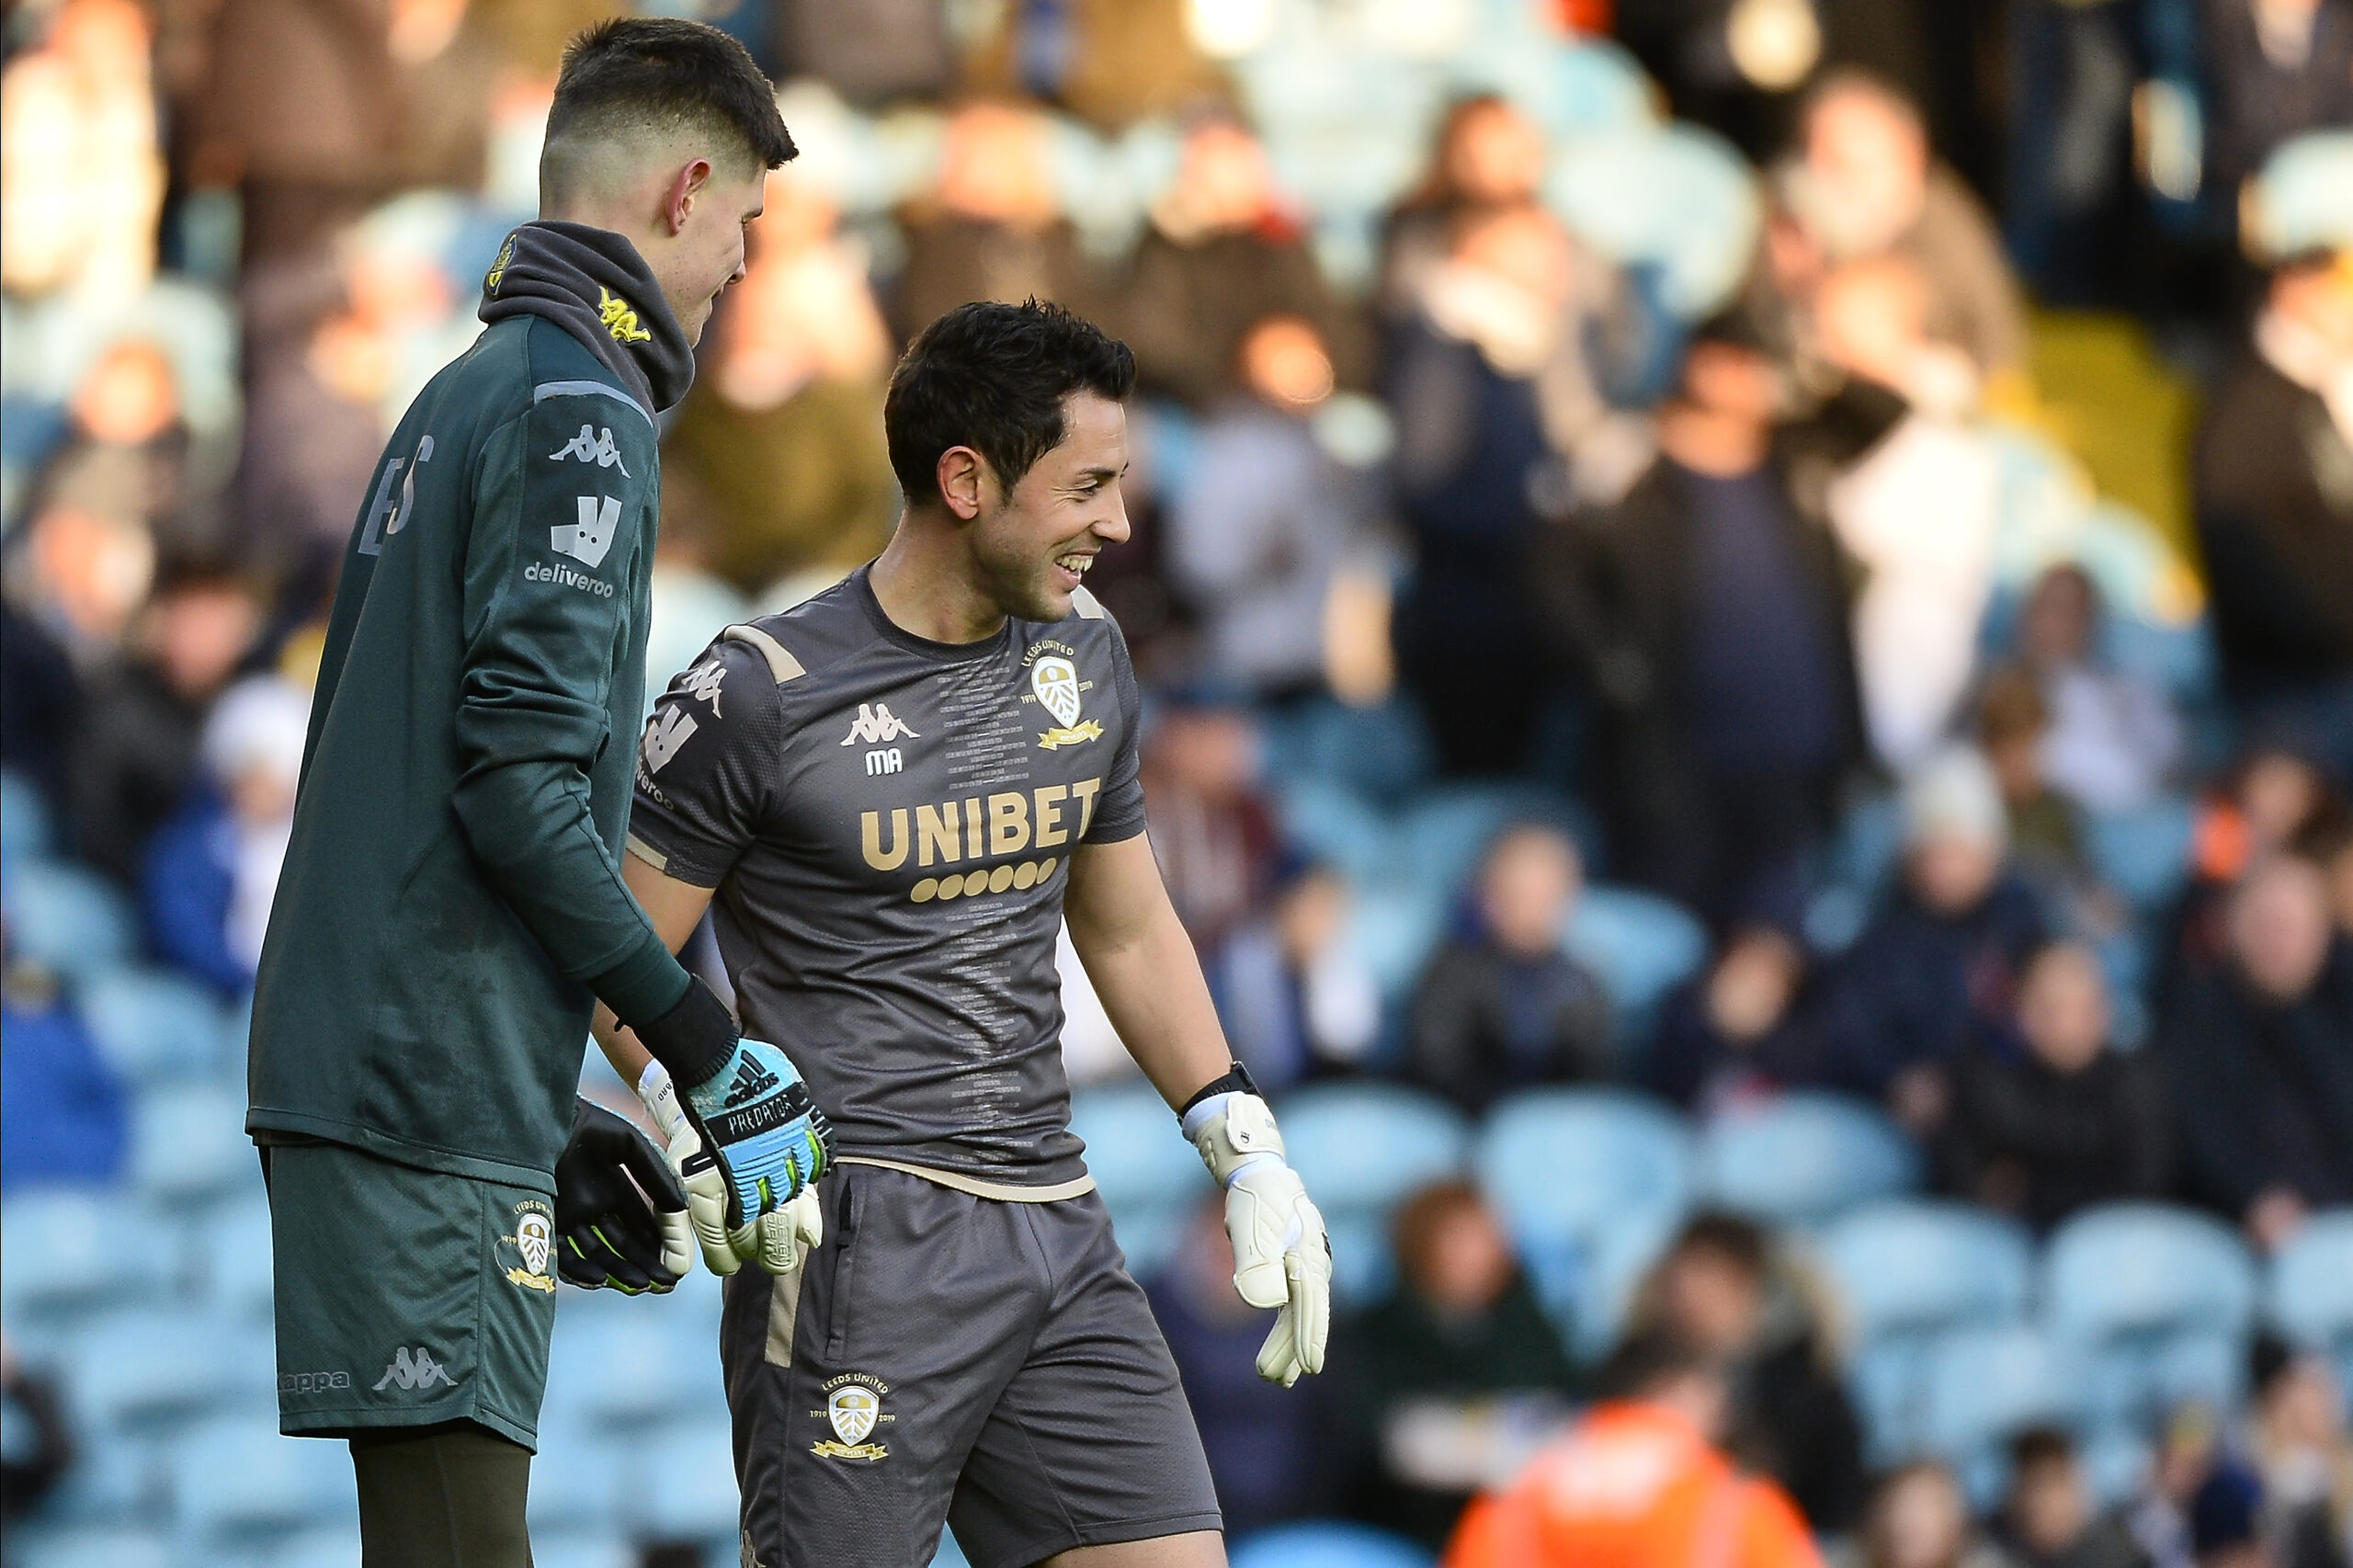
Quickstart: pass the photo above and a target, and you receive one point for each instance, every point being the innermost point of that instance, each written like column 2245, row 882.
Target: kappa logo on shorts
column 853, row 1408
column 534, row 1239
column 413, row 1371
column 312, row 1382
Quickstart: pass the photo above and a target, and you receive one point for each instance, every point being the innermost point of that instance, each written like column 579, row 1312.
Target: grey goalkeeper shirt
column 888, row 823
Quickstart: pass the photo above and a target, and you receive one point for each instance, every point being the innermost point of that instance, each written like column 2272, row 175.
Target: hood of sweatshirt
column 593, row 283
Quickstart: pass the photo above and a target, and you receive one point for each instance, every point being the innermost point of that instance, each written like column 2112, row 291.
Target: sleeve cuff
column 643, row 986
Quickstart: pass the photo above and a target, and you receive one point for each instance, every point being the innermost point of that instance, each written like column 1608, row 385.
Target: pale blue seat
column 686, row 1490
column 576, row 1480
column 571, row 1547
column 620, row 1368
column 1393, row 930
column 2145, row 853
column 60, row 1248
column 68, row 919
column 92, row 1546
column 2154, row 1302
column 151, row 1025
column 332, row 1548
column 144, row 1367
column 26, row 832
column 1149, row 1176
column 2311, row 1294
column 1362, row 1149
column 1317, row 1543
column 234, row 1259
column 1803, row 1159
column 234, row 1480
column 1986, row 1385
column 1592, row 1182
column 189, row 1143
column 1641, row 946
column 1335, row 824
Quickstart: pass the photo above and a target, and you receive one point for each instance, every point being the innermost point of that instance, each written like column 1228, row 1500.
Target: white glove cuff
column 660, row 1097
column 1233, row 1131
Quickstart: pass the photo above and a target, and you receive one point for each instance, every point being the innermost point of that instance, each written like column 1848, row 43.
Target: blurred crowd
column 1728, row 546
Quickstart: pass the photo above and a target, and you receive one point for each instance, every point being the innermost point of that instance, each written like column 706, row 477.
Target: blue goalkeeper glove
column 760, row 1133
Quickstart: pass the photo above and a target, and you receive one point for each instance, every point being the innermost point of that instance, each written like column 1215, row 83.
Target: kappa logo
column 877, row 725
column 702, row 684
column 590, row 535
column 312, row 1382
column 665, row 733
column 853, row 1408
column 593, row 445
column 618, row 317
column 413, row 1371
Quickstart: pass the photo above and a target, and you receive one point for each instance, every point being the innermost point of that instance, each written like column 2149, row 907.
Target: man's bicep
column 673, row 906
column 1115, row 893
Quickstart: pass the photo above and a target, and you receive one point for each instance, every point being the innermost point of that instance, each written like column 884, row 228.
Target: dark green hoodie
column 451, row 903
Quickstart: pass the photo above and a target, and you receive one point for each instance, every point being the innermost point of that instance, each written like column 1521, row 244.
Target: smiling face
column 1031, row 545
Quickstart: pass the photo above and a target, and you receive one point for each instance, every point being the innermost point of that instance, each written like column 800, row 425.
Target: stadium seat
column 2311, row 1295
column 1362, row 1149
column 60, row 1250
column 25, row 832
column 576, row 1479
column 1985, row 1386
column 97, row 1546
column 234, row 1480
column 1641, row 946
column 1150, row 1177
column 189, row 1143
column 2144, row 854
column 147, row 1366
column 234, row 1258
column 2129, row 1269
column 950, row 1555
column 620, row 1366
column 68, row 919
column 151, row 1025
column 570, row 1547
column 1392, row 931
column 685, row 1483
column 1592, row 1182
column 1380, row 753
column 333, row 1548
column 1804, row 1158
column 2153, row 1302
column 1334, row 824
column 1319, row 1544
column 1907, row 1265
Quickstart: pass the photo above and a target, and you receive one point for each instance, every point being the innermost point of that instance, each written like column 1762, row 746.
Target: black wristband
column 692, row 1040
column 1236, row 1081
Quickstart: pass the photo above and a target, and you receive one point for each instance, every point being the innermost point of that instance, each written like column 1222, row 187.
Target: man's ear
column 964, row 482
column 679, row 199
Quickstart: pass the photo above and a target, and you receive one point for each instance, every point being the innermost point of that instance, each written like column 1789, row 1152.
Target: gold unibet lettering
column 1008, row 822
column 1050, row 815
column 1085, row 790
column 870, row 832
column 973, row 826
column 938, row 835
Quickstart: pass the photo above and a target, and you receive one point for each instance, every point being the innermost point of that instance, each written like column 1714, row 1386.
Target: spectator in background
column 136, row 751
column 1211, row 827
column 127, row 449
column 2112, row 737
column 1296, row 1002
column 2275, row 510
column 1223, row 253
column 2260, row 1056
column 1919, row 1518
column 1939, row 962
column 1504, row 1007
column 1455, row 1375
column 1741, row 1031
column 2297, row 1442
column 2046, row 827
column 61, row 1113
column 1721, row 1287
column 2188, row 1447
column 780, row 439
column 2047, row 1521
column 2269, row 800
column 1920, row 510
column 2068, row 1121
column 1639, row 1482
column 2274, row 68
column 991, row 227
column 1267, row 517
column 2226, row 1522
column 1264, row 1453
column 1489, row 157
column 1707, row 611
column 213, row 871
column 1465, row 380
column 1862, row 185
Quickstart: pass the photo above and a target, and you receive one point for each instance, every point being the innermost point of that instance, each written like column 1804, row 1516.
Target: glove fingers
column 708, row 1216
column 1311, row 1311
column 780, row 1243
column 678, row 1244
column 654, row 1174
column 1278, row 1357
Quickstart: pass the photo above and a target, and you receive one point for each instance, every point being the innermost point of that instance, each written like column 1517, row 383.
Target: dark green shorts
column 406, row 1297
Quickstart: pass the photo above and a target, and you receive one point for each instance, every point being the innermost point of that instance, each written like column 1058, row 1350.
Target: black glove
column 612, row 1232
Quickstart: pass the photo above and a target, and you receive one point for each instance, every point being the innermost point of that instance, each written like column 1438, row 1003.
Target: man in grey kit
column 897, row 792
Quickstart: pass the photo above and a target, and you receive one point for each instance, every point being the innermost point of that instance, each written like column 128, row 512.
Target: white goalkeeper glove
column 776, row 1239
column 1282, row 1255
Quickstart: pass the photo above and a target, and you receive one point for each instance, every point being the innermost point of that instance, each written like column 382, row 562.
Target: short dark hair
column 660, row 74
column 1734, row 1238
column 2041, row 1445
column 1648, row 1361
column 993, row 377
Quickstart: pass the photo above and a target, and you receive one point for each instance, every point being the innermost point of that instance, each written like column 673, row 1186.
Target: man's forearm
column 623, row 1048
column 1152, row 989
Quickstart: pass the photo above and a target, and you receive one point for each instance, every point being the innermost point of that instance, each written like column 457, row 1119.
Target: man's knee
column 447, row 1497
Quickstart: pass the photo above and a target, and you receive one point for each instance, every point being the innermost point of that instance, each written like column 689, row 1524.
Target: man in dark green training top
column 451, row 906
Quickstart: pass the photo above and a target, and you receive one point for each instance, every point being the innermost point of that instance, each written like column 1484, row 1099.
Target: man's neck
column 923, row 580
column 1719, row 445
column 616, row 218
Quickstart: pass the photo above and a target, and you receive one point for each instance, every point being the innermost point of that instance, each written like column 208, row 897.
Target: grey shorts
column 949, row 1357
